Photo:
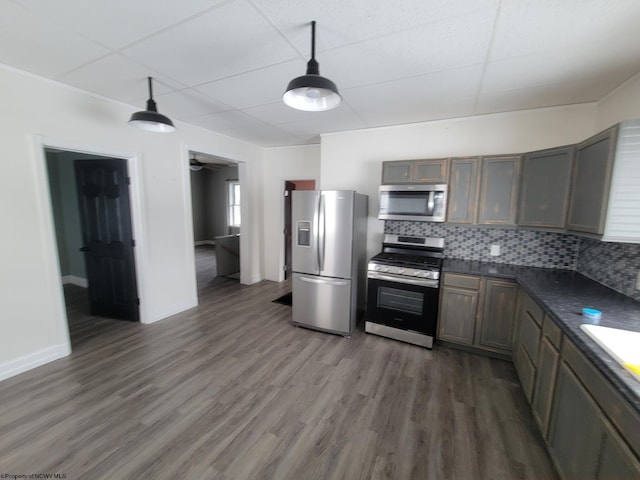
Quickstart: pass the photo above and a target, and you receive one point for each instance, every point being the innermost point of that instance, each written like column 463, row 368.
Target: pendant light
column 150, row 119
column 312, row 92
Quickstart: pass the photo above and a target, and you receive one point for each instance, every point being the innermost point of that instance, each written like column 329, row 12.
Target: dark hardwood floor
column 231, row 390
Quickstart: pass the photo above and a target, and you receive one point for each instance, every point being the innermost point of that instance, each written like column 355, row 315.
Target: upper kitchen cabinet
column 592, row 179
column 415, row 171
column 498, row 190
column 605, row 197
column 463, row 190
column 545, row 187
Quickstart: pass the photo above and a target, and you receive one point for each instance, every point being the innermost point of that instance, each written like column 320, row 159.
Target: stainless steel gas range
column 403, row 289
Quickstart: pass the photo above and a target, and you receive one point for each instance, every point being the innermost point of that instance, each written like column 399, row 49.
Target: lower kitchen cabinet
column 496, row 321
column 582, row 441
column 546, row 372
column 575, row 433
column 477, row 312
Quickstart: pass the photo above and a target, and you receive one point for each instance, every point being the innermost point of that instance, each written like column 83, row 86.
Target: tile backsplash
column 615, row 265
column 517, row 247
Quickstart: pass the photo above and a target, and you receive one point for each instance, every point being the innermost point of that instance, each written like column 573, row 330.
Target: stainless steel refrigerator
column 328, row 259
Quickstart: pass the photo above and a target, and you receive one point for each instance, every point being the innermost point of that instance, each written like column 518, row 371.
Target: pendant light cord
column 150, row 88
column 313, row 39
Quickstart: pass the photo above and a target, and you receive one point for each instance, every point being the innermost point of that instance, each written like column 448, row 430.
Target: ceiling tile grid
column 224, row 64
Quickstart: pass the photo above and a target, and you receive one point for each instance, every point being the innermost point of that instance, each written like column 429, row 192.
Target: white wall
column 352, row 160
column 280, row 164
column 621, row 104
column 33, row 322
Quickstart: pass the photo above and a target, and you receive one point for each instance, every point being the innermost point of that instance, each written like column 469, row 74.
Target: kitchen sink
column 622, row 345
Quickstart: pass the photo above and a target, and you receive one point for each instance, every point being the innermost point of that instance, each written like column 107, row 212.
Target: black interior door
column 288, row 188
column 105, row 216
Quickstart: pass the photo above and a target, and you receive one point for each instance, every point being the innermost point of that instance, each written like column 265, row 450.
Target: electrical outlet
column 495, row 250
column 638, row 281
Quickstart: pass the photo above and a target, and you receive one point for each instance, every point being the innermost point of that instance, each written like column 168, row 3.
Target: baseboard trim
column 33, row 360
column 75, row 280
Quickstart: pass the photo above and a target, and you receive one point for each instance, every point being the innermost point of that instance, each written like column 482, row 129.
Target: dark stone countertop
column 563, row 294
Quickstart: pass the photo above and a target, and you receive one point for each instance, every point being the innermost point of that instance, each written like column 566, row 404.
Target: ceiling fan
column 195, row 164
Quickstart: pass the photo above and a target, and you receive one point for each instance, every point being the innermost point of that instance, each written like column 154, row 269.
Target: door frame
column 134, row 171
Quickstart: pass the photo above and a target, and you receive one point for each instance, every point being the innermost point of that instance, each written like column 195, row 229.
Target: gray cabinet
column 593, row 431
column 591, row 182
column 477, row 312
column 458, row 308
column 498, row 190
column 617, row 461
column 499, row 307
column 431, row 171
column 397, row 172
column 463, row 190
column 546, row 371
column 574, row 433
column 525, row 348
column 415, row 171
column 544, row 187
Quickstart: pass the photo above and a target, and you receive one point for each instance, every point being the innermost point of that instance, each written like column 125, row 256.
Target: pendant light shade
column 150, row 119
column 312, row 92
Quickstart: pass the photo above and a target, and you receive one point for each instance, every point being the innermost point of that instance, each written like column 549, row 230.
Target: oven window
column 400, row 300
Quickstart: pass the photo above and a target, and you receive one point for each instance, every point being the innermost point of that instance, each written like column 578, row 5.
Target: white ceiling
column 224, row 64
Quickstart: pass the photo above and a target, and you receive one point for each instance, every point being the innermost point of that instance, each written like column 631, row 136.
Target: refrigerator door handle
column 321, row 232
column 324, row 281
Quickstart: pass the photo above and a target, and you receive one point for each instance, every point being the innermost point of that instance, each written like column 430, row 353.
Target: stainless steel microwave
column 423, row 203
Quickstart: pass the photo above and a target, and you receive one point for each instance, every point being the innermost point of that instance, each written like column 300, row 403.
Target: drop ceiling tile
column 226, row 41
column 451, row 43
column 339, row 119
column 258, row 87
column 116, row 23
column 278, row 113
column 225, row 121
column 544, row 26
column 342, row 22
column 33, row 44
column 439, row 95
column 117, row 77
column 269, row 136
column 610, row 68
column 537, row 96
column 188, row 103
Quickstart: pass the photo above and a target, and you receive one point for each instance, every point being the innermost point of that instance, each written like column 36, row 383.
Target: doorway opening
column 91, row 206
column 215, row 205
column 289, row 187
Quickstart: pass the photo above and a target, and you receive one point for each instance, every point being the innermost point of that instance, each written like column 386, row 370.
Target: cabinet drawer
column 616, row 408
column 462, row 281
column 530, row 336
column 529, row 305
column 526, row 371
column 551, row 331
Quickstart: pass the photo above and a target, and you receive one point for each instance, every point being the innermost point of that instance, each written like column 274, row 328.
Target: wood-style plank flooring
column 231, row 390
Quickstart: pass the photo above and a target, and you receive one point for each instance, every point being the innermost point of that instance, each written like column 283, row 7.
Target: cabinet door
column 496, row 322
column 617, row 461
column 463, row 190
column 591, row 181
column 397, row 172
column 431, row 171
column 546, row 371
column 544, row 188
column 574, row 432
column 498, row 190
column 526, row 371
column 457, row 315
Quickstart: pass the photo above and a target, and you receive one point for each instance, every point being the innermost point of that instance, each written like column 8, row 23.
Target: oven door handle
column 423, row 282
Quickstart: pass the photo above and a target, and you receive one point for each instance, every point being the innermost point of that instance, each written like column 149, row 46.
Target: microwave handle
column 431, row 204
